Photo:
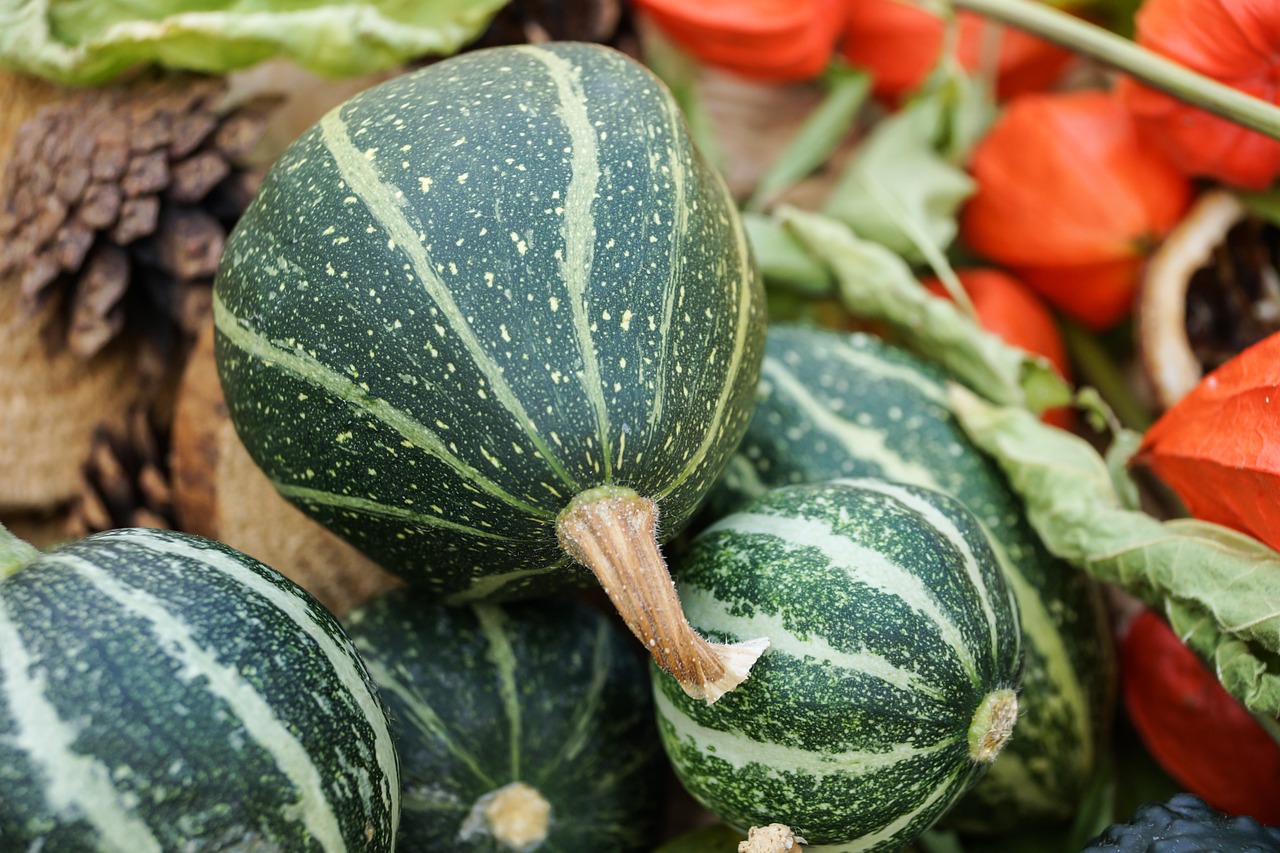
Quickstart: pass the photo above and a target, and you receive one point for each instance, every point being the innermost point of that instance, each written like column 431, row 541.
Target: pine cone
column 119, row 200
column 125, row 481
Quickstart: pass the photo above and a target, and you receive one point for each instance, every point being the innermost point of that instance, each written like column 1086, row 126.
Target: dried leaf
column 1217, row 447
column 876, row 284
column 1220, row 588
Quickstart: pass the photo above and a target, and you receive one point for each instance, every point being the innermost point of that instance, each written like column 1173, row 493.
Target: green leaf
column 86, row 42
column 875, row 283
column 1219, row 588
column 898, row 190
column 783, row 260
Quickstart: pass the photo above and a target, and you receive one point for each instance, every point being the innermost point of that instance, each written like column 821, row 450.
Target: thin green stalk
column 1127, row 56
column 14, row 553
column 1096, row 368
column 818, row 136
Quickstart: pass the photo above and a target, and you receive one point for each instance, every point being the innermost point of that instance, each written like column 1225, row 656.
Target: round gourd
column 484, row 309
column 521, row 727
column 890, row 681
column 832, row 404
column 159, row 691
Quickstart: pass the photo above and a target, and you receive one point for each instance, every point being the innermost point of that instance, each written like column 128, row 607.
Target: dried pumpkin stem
column 613, row 532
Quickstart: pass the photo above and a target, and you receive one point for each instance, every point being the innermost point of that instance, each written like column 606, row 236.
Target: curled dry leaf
column 1218, row 449
column 1219, row 588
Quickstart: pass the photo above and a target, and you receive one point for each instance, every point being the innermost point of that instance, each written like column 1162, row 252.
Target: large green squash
column 889, row 683
column 482, row 297
column 159, row 691
column 832, row 404
column 526, row 726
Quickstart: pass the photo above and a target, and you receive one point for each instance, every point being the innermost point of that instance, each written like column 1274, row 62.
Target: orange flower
column 899, row 44
column 767, row 40
column 1009, row 309
column 1071, row 200
column 1236, row 42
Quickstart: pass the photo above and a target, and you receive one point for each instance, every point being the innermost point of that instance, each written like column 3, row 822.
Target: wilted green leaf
column 1220, row 588
column 874, row 283
column 898, row 190
column 84, row 42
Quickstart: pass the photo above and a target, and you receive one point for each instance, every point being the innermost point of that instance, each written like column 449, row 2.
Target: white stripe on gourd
column 740, row 751
column 865, row 564
column 77, row 786
column 261, row 723
column 702, row 606
column 345, row 664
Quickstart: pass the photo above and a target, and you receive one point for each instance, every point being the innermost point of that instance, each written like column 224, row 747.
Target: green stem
column 14, row 553
column 1127, row 56
column 1095, row 367
column 819, row 135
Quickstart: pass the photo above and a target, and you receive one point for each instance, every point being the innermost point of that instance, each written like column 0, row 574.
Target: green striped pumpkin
column 159, row 691
column 832, row 404
column 477, row 290
column 888, row 684
column 526, row 726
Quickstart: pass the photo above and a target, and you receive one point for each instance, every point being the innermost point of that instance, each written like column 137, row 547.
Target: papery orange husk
column 1197, row 731
column 1011, row 310
column 766, row 40
column 1236, row 42
column 1218, row 447
column 899, row 44
column 1071, row 200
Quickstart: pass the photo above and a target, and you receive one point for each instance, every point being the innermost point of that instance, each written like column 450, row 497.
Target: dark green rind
column 549, row 693
column 478, row 289
column 806, row 714
column 184, row 764
column 816, row 383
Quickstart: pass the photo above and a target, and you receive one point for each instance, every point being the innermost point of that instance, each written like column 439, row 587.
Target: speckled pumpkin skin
column 476, row 290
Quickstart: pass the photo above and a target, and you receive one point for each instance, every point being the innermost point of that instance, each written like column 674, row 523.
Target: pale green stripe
column 586, row 716
column 874, row 367
column 75, row 786
column 1039, row 630
column 716, row 425
column 579, row 227
column 703, row 608
column 740, row 751
column 870, row 840
column 486, row 586
column 260, row 721
column 371, row 507
column 295, row 360
column 860, row 563
column 493, row 625
column 346, row 664
column 675, row 129
column 939, row 521
column 387, row 206
column 424, row 717
column 869, row 443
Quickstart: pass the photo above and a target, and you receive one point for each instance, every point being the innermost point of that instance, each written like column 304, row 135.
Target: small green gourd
column 486, row 319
